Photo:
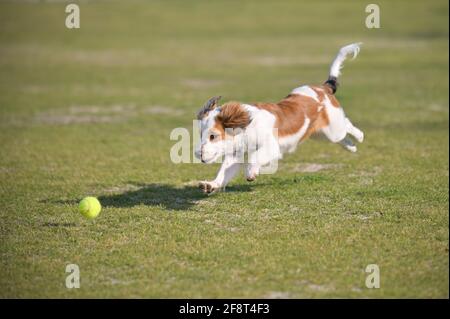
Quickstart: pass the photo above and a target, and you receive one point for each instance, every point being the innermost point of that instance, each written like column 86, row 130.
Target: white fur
column 336, row 130
column 306, row 91
column 336, row 66
column 210, row 152
column 289, row 143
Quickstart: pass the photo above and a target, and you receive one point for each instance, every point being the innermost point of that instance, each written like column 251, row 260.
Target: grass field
column 89, row 112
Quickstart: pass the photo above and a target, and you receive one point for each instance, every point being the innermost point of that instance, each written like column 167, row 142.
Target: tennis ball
column 90, row 207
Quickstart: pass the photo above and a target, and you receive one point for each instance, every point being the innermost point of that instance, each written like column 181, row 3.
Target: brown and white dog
column 267, row 130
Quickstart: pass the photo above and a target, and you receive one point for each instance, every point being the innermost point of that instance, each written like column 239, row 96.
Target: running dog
column 265, row 131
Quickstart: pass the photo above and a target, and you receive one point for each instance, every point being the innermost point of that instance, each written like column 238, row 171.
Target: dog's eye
column 212, row 137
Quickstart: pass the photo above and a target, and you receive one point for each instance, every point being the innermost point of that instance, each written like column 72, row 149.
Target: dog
column 265, row 131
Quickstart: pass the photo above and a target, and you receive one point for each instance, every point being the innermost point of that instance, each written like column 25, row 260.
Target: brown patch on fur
column 325, row 89
column 320, row 93
column 232, row 115
column 291, row 113
column 334, row 101
column 321, row 121
column 218, row 127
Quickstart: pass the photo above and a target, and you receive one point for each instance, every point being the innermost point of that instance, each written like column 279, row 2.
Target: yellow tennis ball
column 90, row 207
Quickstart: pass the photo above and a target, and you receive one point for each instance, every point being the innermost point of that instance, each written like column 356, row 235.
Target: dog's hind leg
column 354, row 131
column 337, row 132
column 348, row 144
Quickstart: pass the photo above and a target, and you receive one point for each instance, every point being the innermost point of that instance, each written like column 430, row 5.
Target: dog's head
column 218, row 125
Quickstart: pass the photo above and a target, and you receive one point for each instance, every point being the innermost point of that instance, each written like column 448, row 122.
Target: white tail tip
column 351, row 49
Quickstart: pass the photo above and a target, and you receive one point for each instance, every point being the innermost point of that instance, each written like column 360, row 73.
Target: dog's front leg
column 267, row 153
column 230, row 167
column 252, row 171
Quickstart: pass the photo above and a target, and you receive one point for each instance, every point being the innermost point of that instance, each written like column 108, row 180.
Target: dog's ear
column 233, row 116
column 210, row 105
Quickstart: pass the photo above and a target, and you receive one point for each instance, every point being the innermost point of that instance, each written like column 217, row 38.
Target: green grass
column 82, row 112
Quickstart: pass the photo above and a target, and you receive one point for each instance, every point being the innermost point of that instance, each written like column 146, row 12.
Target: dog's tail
column 336, row 66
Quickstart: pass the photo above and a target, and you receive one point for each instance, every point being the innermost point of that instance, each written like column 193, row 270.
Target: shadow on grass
column 55, row 224
column 164, row 195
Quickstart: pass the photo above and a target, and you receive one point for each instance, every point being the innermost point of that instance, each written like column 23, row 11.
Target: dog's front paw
column 208, row 187
column 251, row 173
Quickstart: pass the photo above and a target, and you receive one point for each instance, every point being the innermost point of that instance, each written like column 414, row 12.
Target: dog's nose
column 199, row 153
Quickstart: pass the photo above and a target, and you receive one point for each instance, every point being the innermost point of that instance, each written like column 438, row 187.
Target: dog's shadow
column 168, row 197
column 164, row 195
